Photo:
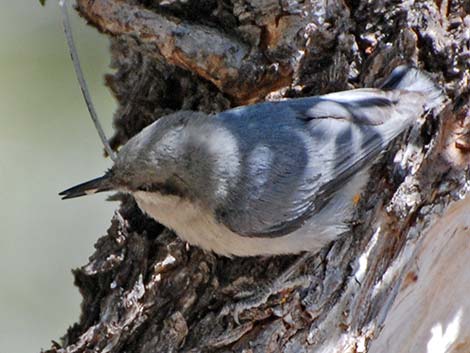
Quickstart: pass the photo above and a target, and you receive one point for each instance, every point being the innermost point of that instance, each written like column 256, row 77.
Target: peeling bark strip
column 145, row 291
column 208, row 52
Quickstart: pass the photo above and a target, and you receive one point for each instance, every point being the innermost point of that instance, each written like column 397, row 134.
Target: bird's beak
column 89, row 187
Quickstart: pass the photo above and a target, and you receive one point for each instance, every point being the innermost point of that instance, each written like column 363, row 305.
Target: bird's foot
column 260, row 295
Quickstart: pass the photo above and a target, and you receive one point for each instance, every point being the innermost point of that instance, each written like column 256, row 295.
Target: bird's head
column 155, row 160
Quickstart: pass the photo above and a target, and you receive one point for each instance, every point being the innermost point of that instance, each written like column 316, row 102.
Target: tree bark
column 396, row 283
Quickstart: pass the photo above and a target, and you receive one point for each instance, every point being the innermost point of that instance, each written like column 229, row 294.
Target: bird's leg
column 260, row 296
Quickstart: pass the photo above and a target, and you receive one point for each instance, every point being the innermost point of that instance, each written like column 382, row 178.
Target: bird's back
column 299, row 154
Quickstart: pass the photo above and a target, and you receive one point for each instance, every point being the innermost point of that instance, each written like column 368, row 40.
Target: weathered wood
column 430, row 312
column 210, row 53
column 396, row 283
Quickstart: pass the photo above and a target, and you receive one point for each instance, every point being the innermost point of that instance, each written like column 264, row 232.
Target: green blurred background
column 47, row 143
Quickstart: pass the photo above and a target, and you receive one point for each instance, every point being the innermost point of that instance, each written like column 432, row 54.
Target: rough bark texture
column 386, row 286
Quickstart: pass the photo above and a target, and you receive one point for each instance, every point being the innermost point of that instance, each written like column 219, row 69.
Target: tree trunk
column 397, row 282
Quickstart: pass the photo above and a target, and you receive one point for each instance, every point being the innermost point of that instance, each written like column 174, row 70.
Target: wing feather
column 300, row 153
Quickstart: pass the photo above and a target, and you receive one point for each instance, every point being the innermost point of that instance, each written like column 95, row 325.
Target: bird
column 273, row 178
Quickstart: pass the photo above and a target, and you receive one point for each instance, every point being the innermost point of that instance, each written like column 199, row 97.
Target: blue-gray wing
column 299, row 153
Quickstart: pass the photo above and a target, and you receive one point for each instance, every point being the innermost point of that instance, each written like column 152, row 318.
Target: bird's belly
column 198, row 226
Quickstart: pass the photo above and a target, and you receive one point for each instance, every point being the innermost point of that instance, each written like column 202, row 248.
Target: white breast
column 198, row 226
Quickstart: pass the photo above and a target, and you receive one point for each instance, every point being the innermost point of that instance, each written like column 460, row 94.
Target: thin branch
column 81, row 78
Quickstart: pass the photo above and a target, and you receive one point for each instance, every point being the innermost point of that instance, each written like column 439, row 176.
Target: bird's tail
column 411, row 79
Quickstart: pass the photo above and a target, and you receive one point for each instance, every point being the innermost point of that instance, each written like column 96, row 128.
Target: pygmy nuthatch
column 270, row 178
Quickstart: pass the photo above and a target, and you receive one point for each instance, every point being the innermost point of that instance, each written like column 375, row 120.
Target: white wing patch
column 259, row 164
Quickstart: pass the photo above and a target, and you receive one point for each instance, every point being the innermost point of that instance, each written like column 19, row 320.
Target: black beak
column 87, row 188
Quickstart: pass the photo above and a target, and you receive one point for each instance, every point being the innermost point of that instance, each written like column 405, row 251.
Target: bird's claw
column 261, row 296
column 255, row 301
